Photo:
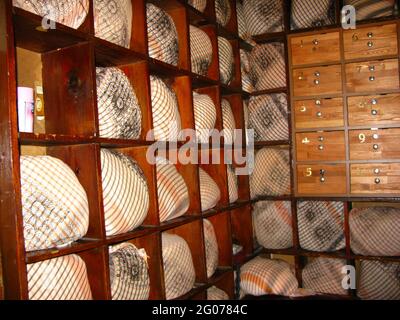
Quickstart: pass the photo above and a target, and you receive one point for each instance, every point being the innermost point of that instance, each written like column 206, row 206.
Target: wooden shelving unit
column 72, row 135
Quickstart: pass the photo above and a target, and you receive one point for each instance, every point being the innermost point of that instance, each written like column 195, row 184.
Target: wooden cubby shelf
column 63, row 63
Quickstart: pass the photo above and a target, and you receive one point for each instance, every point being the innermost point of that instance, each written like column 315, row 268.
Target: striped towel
column 267, row 63
column 272, row 223
column 205, row 116
column 241, row 20
column 71, row 13
column 215, row 293
column 268, row 116
column 55, row 207
column 125, row 192
column 247, row 83
column 324, row 275
column 113, row 21
column 179, row 272
column 321, row 225
column 379, row 280
column 233, row 184
column 223, row 11
column 262, row 276
column 211, row 244
column 200, row 5
column 63, row 278
column 173, row 193
column 209, row 191
column 119, row 111
column 129, row 276
column 271, row 175
column 228, row 122
column 201, row 51
column 226, row 61
column 162, row 35
column 375, row 231
column 263, row 16
column 310, row 14
column 166, row 117
column 371, row 9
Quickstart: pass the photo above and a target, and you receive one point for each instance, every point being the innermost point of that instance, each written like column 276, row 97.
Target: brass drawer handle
column 321, row 139
column 371, row 68
column 374, row 112
column 317, row 73
column 377, row 171
column 377, row 181
column 322, row 174
column 371, row 78
column 375, row 136
column 316, row 82
column 370, row 44
column 318, row 102
column 321, row 147
column 319, row 114
column 303, row 109
column 370, row 34
column 375, row 147
column 315, row 42
column 374, row 102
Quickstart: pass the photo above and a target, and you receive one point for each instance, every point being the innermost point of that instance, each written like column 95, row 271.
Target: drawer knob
column 321, row 139
column 315, row 42
column 318, row 102
column 377, row 181
column 316, row 82
column 371, row 78
column 317, row 73
column 374, row 112
column 377, row 171
column 322, row 172
column 370, row 34
column 322, row 179
column 371, row 68
column 319, row 114
column 375, row 136
column 374, row 102
column 303, row 109
column 321, row 147
column 376, row 147
column 370, row 44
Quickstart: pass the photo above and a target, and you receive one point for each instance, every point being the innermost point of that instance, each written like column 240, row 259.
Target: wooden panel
column 311, row 181
column 325, row 146
column 374, row 110
column 370, row 42
column 375, row 178
column 374, row 144
column 318, row 113
column 317, row 48
column 317, row 81
column 372, row 76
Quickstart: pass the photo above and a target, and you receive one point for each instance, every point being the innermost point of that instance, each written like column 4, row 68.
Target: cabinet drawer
column 323, row 146
column 372, row 76
column 321, row 179
column 309, row 82
column 375, row 178
column 319, row 113
column 374, row 110
column 375, row 144
column 317, row 48
column 370, row 42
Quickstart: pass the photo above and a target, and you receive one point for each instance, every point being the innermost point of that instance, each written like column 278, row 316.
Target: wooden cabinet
column 372, row 76
column 321, row 146
column 380, row 178
column 374, row 110
column 318, row 113
column 375, row 144
column 370, row 42
column 315, row 81
column 321, row 179
column 346, row 110
column 313, row 49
